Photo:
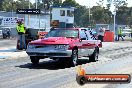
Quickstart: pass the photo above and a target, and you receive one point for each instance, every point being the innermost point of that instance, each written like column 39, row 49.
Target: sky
column 91, row 2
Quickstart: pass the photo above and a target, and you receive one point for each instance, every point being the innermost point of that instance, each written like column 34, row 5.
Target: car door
column 91, row 40
column 85, row 45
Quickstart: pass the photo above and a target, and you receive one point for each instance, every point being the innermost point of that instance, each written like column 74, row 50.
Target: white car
column 126, row 32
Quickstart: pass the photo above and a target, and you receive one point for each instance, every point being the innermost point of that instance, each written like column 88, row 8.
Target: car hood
column 53, row 40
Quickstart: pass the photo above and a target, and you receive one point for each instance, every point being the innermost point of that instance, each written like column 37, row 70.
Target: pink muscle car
column 65, row 44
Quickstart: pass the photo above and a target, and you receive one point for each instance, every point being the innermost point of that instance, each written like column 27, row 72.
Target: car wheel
column 74, row 57
column 94, row 56
column 54, row 58
column 34, row 60
column 63, row 62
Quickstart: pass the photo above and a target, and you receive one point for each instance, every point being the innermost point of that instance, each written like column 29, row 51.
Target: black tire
column 81, row 80
column 34, row 60
column 94, row 56
column 54, row 58
column 63, row 62
column 74, row 57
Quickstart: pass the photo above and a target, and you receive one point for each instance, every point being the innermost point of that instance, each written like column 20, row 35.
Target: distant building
column 41, row 21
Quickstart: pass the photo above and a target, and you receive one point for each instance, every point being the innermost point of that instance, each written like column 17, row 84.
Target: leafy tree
column 9, row 5
column 57, row 2
column 48, row 3
column 23, row 4
column 1, row 2
column 122, row 15
column 81, row 16
column 39, row 5
column 81, row 13
column 97, row 13
column 101, row 15
column 70, row 3
column 129, row 19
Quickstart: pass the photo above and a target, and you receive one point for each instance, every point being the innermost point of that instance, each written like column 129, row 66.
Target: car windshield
column 69, row 33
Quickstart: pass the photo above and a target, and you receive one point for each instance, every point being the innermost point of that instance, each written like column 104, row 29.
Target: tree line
column 98, row 14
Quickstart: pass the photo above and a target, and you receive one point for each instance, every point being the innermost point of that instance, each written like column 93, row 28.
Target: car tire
column 63, row 62
column 94, row 56
column 34, row 60
column 74, row 57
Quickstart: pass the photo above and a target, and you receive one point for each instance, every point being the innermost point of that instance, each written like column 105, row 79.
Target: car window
column 62, row 12
column 63, row 33
column 89, row 36
column 83, row 34
column 70, row 13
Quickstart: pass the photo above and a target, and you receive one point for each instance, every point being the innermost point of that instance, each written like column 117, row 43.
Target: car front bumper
column 49, row 53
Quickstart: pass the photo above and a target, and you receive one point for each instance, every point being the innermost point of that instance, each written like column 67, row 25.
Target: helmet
column 19, row 21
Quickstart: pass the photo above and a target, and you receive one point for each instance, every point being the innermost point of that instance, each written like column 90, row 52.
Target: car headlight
column 31, row 46
column 61, row 47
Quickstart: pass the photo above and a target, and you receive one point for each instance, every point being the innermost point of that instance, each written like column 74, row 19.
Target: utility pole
column 114, row 25
column 12, row 9
column 114, row 13
column 36, row 3
column 89, row 15
column 28, row 14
